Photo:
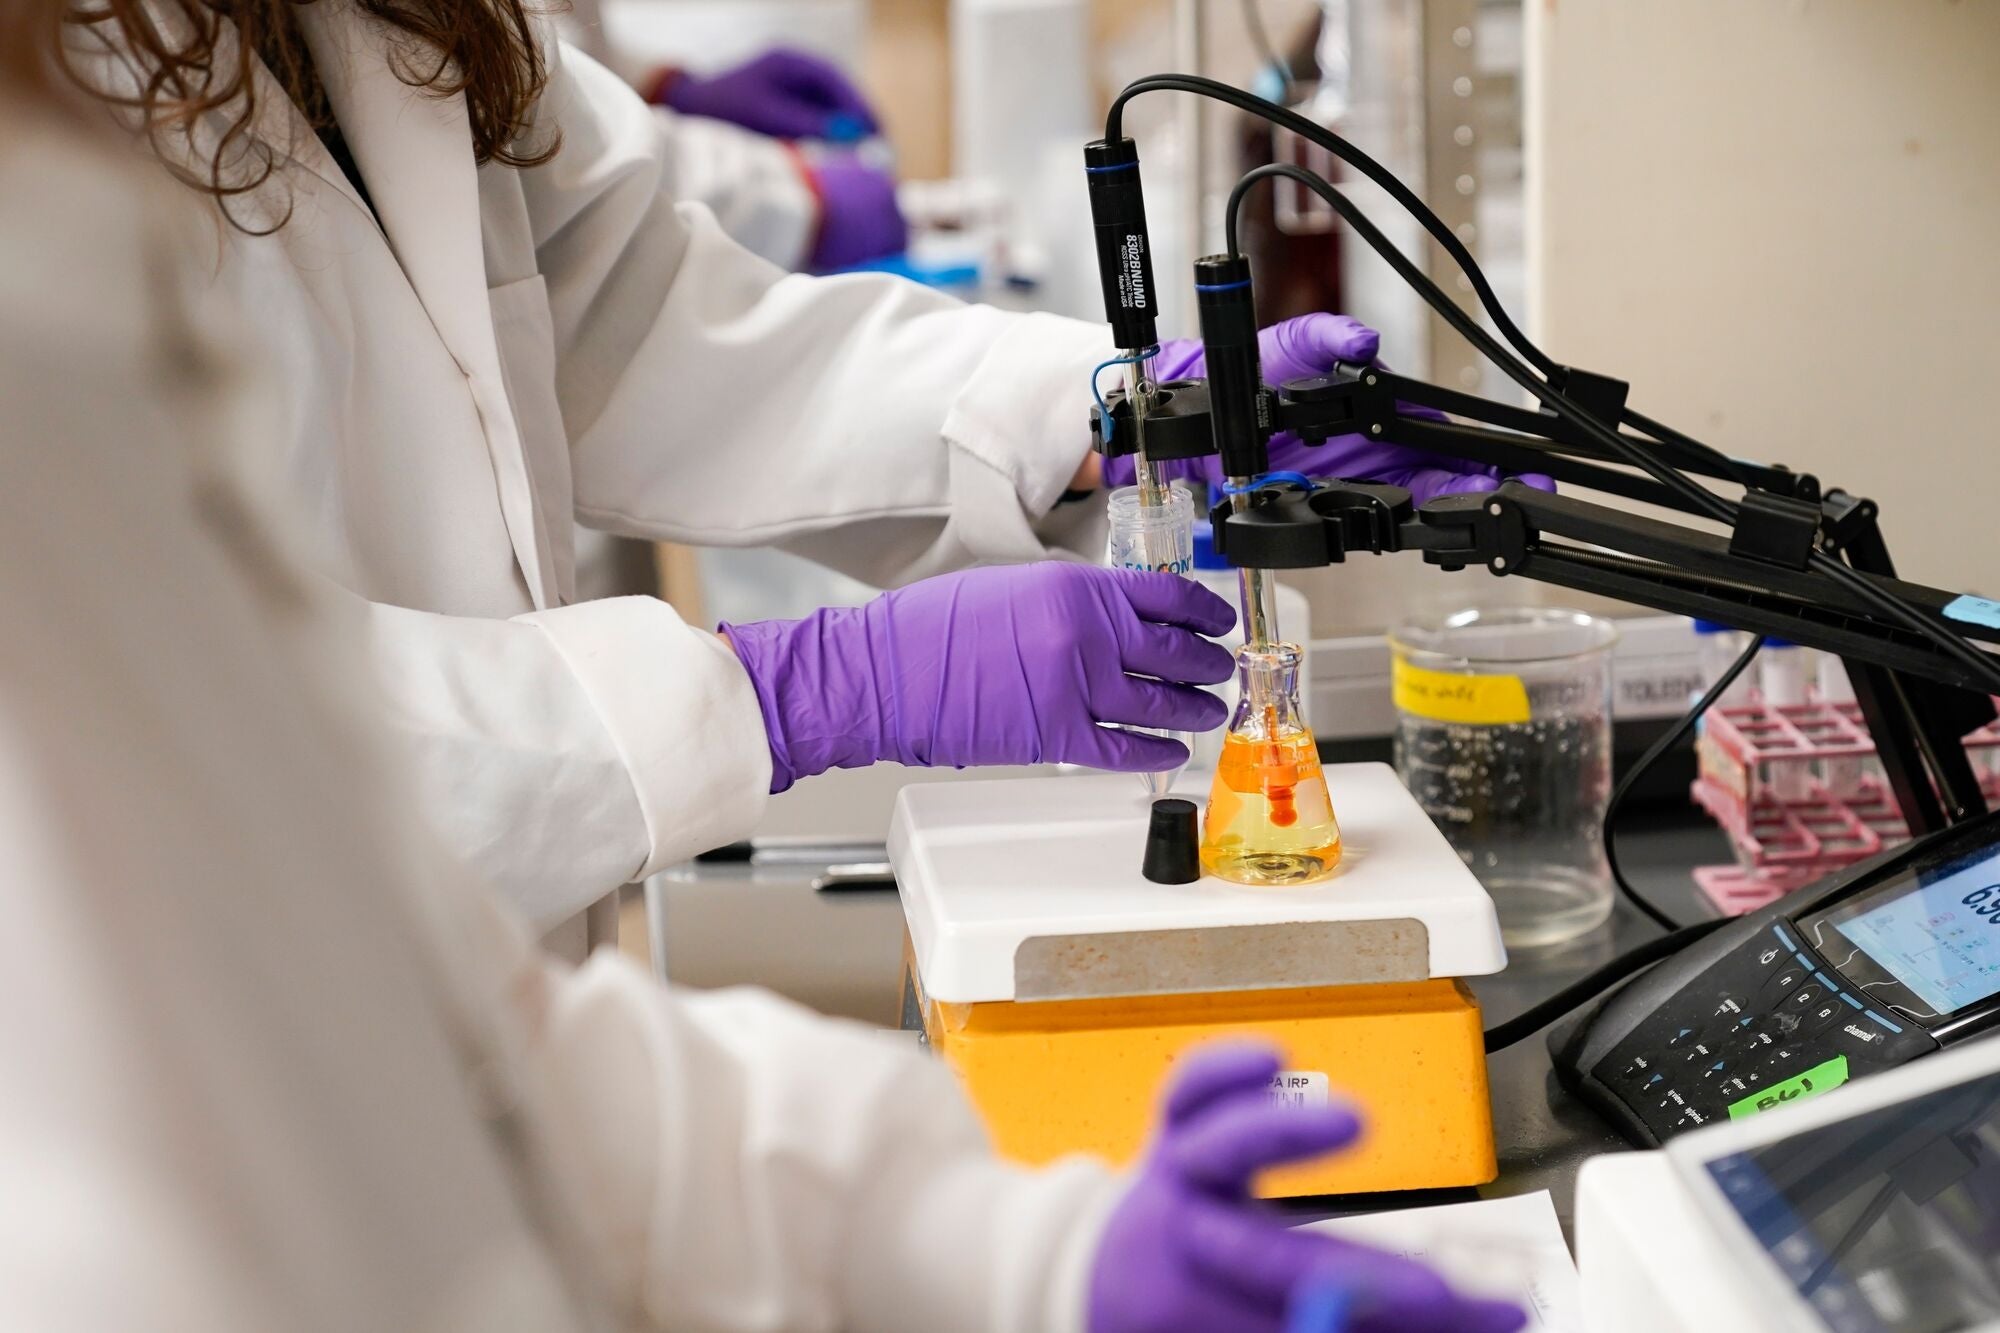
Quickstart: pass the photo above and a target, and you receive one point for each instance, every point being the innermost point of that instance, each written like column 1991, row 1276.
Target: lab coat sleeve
column 756, row 187
column 569, row 751
column 754, row 1166
column 737, row 1164
column 882, row 428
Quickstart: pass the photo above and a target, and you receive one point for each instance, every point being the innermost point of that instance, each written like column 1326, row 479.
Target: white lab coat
column 266, row 1066
column 511, row 347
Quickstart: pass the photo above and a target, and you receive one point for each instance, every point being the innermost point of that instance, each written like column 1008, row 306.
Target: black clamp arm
column 1573, row 543
column 1379, row 404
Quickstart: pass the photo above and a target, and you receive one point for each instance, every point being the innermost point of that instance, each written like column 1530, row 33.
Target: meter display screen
column 1886, row 1222
column 1935, row 930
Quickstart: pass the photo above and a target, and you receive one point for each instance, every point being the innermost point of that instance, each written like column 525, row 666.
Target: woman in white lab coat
column 490, row 316
column 269, row 1065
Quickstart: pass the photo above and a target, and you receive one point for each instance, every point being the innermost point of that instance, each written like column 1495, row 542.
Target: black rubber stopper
column 1173, row 843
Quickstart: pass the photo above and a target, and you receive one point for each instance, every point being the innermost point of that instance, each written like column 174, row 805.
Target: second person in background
column 768, row 144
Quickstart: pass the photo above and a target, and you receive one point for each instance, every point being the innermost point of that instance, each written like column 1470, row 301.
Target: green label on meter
column 1820, row 1078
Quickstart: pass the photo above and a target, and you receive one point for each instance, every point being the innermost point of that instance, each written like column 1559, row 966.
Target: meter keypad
column 1757, row 1019
column 1784, row 981
column 1821, row 1016
column 1803, row 998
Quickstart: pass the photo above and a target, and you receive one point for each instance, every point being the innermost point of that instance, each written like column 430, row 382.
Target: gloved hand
column 992, row 666
column 1189, row 1250
column 858, row 216
column 1297, row 349
column 783, row 93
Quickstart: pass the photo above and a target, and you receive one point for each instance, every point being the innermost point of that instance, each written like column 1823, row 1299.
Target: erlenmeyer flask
column 1269, row 820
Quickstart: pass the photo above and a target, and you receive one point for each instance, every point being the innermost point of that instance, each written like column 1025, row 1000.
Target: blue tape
column 1222, row 286
column 845, row 127
column 1258, row 483
column 1970, row 610
column 1321, row 1308
column 1115, row 166
column 1104, row 424
column 1271, row 82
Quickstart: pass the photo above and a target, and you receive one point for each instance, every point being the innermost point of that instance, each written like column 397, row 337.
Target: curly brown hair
column 485, row 50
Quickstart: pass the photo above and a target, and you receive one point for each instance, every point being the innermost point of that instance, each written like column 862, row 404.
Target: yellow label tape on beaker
column 1447, row 696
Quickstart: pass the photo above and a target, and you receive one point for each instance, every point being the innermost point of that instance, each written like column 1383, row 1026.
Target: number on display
column 1984, row 902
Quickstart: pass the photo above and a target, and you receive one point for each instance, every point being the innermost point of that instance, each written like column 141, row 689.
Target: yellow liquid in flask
column 1270, row 820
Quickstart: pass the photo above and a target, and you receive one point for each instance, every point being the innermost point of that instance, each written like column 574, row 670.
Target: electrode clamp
column 1176, row 423
column 1289, row 526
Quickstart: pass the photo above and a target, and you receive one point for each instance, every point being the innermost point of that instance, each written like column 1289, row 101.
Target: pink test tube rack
column 1799, row 792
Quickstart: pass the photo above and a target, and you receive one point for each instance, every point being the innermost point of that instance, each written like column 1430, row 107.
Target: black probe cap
column 1124, row 251
column 1173, row 843
column 1239, row 412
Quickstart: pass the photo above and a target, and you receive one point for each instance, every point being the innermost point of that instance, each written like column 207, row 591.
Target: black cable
column 1979, row 662
column 1646, row 761
column 1502, row 1035
column 1488, row 299
column 1360, row 161
column 1705, row 500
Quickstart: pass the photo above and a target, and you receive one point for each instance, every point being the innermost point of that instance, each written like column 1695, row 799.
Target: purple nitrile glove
column 783, row 93
column 1299, row 349
column 1011, row 665
column 1189, row 1250
column 859, row 219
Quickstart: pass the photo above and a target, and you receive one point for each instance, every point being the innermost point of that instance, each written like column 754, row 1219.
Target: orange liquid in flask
column 1269, row 820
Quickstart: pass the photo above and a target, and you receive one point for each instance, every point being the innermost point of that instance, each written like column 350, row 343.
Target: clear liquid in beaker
column 1523, row 806
column 1269, row 820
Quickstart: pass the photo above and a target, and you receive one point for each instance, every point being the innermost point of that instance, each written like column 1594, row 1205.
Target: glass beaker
column 1269, row 819
column 1503, row 734
column 1160, row 538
